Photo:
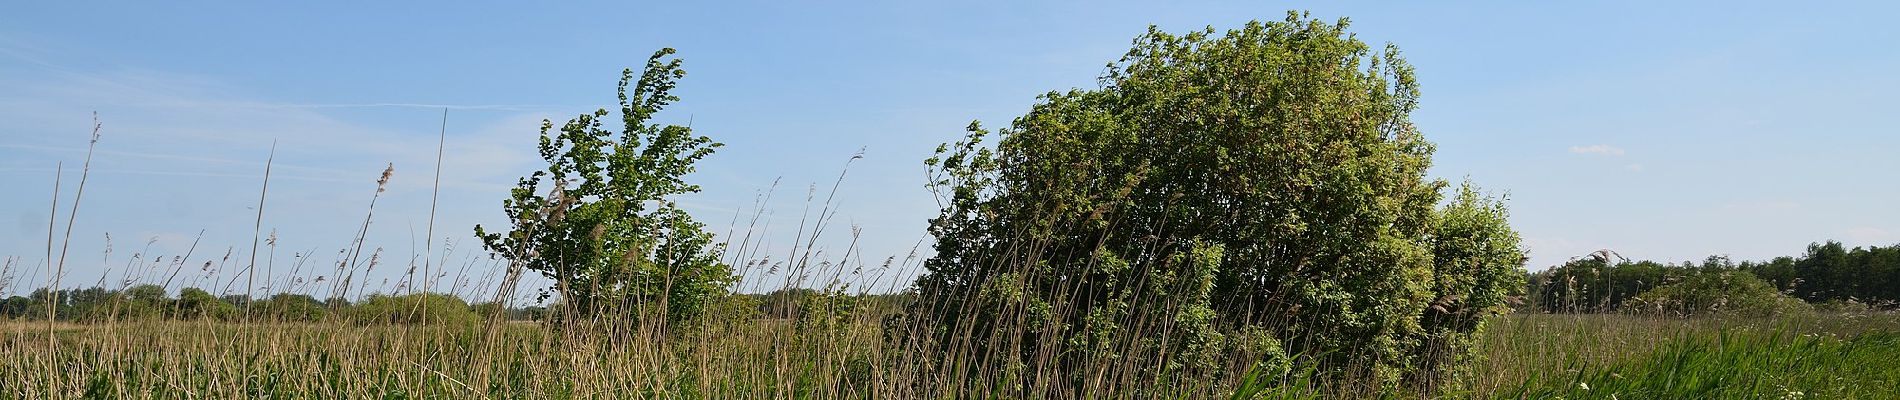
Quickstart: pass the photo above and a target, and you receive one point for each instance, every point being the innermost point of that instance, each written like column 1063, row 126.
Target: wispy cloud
column 181, row 152
column 201, row 127
column 1872, row 235
column 1599, row 149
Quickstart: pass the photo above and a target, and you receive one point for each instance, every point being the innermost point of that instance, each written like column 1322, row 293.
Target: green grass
column 1620, row 357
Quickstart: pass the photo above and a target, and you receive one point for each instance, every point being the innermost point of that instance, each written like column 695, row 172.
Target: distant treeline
column 146, row 301
column 1828, row 274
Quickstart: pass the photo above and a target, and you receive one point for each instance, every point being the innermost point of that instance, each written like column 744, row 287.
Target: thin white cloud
column 1599, row 149
column 1634, row 167
column 1872, row 235
column 199, row 123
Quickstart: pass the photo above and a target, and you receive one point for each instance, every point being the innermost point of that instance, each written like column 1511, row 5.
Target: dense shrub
column 1221, row 200
column 1713, row 293
column 1476, row 265
column 195, row 303
column 419, row 308
column 287, row 307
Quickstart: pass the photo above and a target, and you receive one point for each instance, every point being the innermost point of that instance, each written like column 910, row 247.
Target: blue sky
column 1668, row 132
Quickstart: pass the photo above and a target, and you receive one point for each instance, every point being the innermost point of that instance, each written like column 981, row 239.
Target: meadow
column 1584, row 356
column 1197, row 227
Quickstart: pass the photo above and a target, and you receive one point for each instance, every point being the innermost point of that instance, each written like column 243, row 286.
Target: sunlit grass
column 1523, row 356
column 1628, row 357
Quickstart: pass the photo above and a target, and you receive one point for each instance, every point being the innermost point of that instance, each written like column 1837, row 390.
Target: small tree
column 600, row 221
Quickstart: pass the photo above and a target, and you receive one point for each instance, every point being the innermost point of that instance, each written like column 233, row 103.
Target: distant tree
column 94, row 304
column 142, row 301
column 238, row 300
column 1882, row 271
column 1593, row 285
column 419, row 308
column 17, row 307
column 1825, row 273
column 784, row 303
column 487, row 310
column 1779, row 272
column 600, row 220
column 43, row 299
column 288, row 307
column 195, row 303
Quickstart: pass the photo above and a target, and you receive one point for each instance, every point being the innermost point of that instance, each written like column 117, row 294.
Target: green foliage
column 419, row 308
column 782, row 303
column 606, row 230
column 1723, row 292
column 285, row 307
column 1476, row 263
column 1267, row 177
column 1595, row 284
column 1737, row 364
column 1830, row 271
column 17, row 307
column 195, row 303
column 825, row 313
column 489, row 310
column 146, row 301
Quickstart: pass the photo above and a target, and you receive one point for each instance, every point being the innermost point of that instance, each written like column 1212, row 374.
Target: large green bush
column 1222, row 199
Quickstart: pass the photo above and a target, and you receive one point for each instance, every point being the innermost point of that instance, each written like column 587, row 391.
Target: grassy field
column 1835, row 356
